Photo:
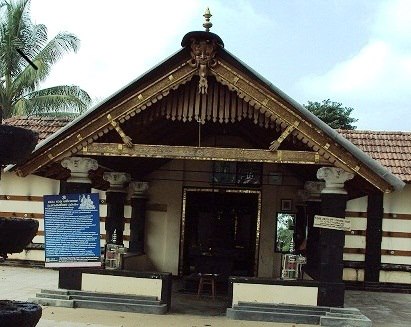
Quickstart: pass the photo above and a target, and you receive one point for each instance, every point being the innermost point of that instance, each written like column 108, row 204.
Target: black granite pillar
column 116, row 198
column 375, row 215
column 138, row 216
column 115, row 217
column 137, row 224
column 331, row 241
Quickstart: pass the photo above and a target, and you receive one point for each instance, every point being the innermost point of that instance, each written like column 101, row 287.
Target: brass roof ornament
column 207, row 24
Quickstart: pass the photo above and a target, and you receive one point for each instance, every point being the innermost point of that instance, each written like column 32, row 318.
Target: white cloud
column 378, row 75
column 118, row 41
column 121, row 41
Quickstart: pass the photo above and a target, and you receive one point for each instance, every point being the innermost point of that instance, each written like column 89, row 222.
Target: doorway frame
column 218, row 190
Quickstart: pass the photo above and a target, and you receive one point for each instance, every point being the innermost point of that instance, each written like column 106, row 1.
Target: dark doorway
column 220, row 232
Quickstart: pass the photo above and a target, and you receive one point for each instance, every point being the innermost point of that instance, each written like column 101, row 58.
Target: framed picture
column 286, row 204
column 224, row 172
column 249, row 173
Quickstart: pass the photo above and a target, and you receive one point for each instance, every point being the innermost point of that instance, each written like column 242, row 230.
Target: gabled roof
column 390, row 149
column 203, row 55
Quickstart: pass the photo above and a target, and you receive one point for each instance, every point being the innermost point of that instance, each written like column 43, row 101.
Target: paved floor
column 384, row 309
column 16, row 283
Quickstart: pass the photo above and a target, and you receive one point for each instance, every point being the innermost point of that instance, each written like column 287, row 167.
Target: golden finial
column 207, row 24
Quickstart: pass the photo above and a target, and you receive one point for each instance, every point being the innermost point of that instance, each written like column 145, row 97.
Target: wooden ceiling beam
column 203, row 153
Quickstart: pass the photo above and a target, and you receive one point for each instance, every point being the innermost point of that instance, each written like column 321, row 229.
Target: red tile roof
column 391, row 149
column 44, row 126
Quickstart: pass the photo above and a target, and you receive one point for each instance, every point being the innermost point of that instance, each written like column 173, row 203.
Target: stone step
column 53, row 296
column 49, row 302
column 98, row 294
column 280, row 309
column 284, row 306
column 99, row 305
column 299, row 314
column 124, row 307
column 357, row 321
column 97, row 298
column 113, row 299
column 100, row 301
column 288, row 317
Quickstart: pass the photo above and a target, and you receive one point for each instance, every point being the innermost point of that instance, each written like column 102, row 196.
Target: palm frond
column 65, row 99
column 19, row 82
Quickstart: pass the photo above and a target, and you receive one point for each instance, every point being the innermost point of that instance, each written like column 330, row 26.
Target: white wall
column 397, row 219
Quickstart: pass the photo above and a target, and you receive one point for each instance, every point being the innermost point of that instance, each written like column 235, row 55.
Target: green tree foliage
column 332, row 113
column 19, row 81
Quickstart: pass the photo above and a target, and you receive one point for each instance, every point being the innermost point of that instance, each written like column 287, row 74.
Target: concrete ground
column 17, row 283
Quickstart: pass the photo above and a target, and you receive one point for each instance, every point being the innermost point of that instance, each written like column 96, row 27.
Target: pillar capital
column 79, row 168
column 334, row 179
column 138, row 189
column 117, row 180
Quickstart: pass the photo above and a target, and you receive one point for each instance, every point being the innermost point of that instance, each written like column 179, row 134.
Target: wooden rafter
column 203, row 153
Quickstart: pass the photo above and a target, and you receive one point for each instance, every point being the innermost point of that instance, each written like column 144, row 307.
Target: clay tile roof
column 391, row 149
column 44, row 126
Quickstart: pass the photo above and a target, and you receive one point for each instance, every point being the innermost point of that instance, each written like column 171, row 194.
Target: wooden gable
column 205, row 85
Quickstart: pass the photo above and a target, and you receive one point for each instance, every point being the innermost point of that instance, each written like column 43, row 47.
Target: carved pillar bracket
column 334, row 179
column 79, row 168
column 138, row 189
column 312, row 191
column 117, row 181
column 203, row 52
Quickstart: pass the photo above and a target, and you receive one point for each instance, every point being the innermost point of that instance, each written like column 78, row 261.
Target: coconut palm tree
column 19, row 81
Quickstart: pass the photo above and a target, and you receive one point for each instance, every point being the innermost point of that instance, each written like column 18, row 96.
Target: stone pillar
column 375, row 215
column 333, row 204
column 78, row 182
column 115, row 198
column 138, row 216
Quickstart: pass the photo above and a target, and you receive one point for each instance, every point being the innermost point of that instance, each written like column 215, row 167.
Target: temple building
column 202, row 164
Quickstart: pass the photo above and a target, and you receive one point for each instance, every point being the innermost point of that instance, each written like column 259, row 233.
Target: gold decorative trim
column 183, row 219
column 134, row 103
column 203, row 153
column 276, row 108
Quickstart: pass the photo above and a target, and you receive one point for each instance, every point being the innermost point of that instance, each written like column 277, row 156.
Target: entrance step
column 100, row 301
column 298, row 314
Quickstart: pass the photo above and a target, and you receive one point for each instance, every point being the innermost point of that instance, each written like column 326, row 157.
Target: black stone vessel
column 16, row 144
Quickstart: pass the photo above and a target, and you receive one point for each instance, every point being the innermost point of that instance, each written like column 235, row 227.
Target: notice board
column 72, row 230
column 332, row 223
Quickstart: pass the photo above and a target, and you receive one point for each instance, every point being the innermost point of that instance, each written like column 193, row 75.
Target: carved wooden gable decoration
column 201, row 83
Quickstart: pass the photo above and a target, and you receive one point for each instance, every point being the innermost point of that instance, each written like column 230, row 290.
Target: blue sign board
column 72, row 230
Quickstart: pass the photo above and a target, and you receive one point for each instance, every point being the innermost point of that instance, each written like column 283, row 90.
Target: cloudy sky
column 357, row 52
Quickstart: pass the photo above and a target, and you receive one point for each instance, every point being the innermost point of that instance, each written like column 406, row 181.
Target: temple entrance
column 220, row 232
